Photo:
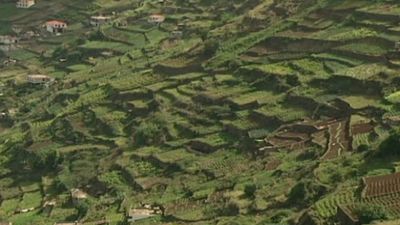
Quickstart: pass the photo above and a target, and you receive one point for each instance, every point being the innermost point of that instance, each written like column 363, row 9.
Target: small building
column 9, row 61
column 56, row 26
column 8, row 39
column 140, row 214
column 181, row 25
column 5, row 223
column 121, row 23
column 25, row 3
column 78, row 195
column 176, row 34
column 68, row 223
column 99, row 20
column 39, row 79
column 156, row 18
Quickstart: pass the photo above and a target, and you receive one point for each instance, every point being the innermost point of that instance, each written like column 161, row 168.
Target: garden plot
column 327, row 207
column 186, row 77
column 133, row 81
column 369, row 49
column 254, row 99
column 218, row 94
column 178, row 156
column 177, row 96
column 342, row 59
column 222, row 163
column 240, row 127
column 106, row 45
column 284, row 114
column 32, row 200
column 344, row 34
column 366, row 71
column 210, row 143
column 112, row 118
column 194, row 128
column 382, row 10
column 361, row 102
column 135, row 38
column 338, row 140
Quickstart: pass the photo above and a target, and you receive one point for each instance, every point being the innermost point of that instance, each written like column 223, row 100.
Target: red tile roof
column 55, row 22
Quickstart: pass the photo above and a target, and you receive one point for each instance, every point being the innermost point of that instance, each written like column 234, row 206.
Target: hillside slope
column 226, row 112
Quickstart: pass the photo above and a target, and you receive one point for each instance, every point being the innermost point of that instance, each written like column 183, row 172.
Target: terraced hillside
column 197, row 112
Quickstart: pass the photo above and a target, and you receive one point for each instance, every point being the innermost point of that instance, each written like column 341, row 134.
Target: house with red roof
column 56, row 26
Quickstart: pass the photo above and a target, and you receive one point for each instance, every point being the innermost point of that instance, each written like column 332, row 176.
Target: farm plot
column 285, row 114
column 254, row 99
column 338, row 140
column 360, row 102
column 381, row 185
column 137, row 39
column 327, row 207
column 365, row 71
column 209, row 143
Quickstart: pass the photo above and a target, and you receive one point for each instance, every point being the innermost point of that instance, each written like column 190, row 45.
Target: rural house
column 68, row 223
column 56, row 26
column 140, row 214
column 8, row 39
column 39, row 79
column 78, row 195
column 156, row 18
column 176, row 34
column 99, row 20
column 25, row 3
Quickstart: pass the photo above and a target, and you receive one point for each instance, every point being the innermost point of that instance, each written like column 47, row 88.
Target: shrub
column 389, row 146
column 368, row 213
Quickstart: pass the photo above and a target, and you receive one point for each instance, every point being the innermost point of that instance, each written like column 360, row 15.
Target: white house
column 156, row 18
column 25, row 3
column 99, row 20
column 39, row 79
column 8, row 39
column 56, row 26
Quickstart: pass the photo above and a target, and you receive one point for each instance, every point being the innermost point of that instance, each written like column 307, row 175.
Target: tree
column 210, row 47
column 368, row 213
column 249, row 190
column 389, row 147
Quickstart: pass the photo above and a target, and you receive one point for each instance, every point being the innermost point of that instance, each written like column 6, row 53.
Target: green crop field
column 247, row 112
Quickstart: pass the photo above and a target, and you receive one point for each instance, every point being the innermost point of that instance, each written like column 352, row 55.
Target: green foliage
column 368, row 213
column 304, row 192
column 389, row 147
column 151, row 131
column 61, row 130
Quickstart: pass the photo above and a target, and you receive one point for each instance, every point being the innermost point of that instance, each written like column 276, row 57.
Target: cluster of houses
column 8, row 39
